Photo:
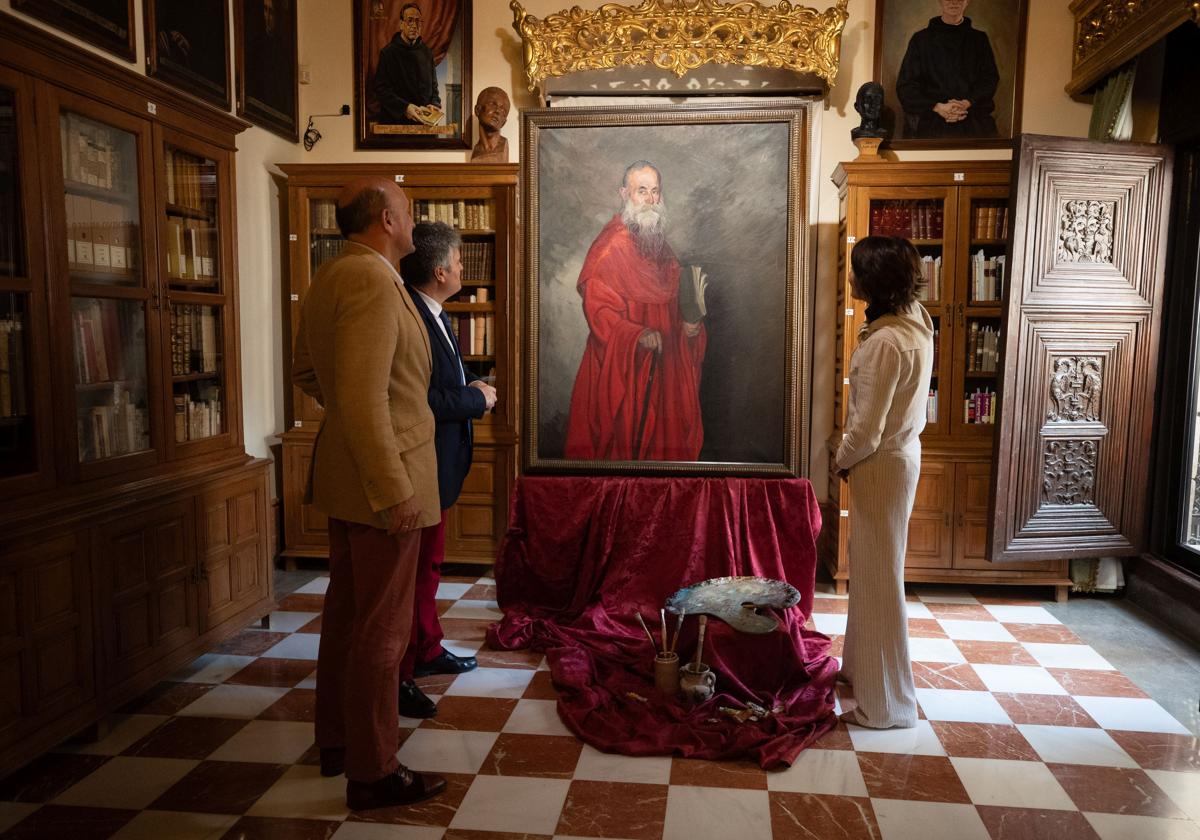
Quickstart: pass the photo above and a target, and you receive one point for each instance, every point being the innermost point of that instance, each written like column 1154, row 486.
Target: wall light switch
column 305, row 75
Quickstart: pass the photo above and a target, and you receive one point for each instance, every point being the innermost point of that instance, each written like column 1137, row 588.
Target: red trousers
column 364, row 630
column 425, row 642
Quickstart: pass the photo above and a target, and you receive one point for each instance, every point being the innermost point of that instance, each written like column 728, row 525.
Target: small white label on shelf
column 846, row 381
column 295, row 298
column 850, row 311
column 845, row 514
column 960, row 176
column 851, row 239
column 297, row 424
column 399, row 179
column 292, row 237
column 151, row 108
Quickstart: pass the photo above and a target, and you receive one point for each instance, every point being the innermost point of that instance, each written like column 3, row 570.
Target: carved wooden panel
column 229, row 557
column 478, row 519
column 929, row 532
column 1081, row 345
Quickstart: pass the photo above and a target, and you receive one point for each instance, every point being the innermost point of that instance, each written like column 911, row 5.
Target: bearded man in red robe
column 637, row 393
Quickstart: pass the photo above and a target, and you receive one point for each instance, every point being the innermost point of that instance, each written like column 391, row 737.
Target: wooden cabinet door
column 305, row 529
column 478, row 519
column 233, row 534
column 929, row 531
column 146, row 569
column 1081, row 333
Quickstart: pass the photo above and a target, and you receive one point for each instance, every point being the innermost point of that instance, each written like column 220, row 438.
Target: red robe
column 624, row 294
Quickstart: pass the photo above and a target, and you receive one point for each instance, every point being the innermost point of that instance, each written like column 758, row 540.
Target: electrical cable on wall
column 311, row 135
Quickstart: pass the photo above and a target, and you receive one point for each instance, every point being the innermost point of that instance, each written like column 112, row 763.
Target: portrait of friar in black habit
column 268, row 55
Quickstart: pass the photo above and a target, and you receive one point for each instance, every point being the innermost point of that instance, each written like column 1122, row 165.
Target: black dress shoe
column 413, row 702
column 403, row 787
column 333, row 761
column 446, row 663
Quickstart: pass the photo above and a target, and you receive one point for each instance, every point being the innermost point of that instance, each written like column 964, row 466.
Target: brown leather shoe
column 333, row 761
column 402, row 787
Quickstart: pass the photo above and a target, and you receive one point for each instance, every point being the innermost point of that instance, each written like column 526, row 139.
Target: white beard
column 647, row 223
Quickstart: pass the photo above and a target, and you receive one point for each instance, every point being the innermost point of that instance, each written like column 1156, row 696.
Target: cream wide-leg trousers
column 875, row 657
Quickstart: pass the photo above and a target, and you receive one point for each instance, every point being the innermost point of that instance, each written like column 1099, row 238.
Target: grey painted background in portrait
column 725, row 187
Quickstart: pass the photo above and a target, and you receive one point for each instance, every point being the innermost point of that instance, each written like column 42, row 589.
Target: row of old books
column 324, row 215
column 191, row 250
column 983, row 348
column 937, row 343
column 475, row 332
column 14, row 398
column 987, row 277
column 325, row 249
column 979, row 408
column 191, row 181
column 198, row 418
column 989, row 221
column 478, row 259
column 100, row 236
column 909, row 219
column 931, row 272
column 195, row 339
column 931, row 406
column 90, row 154
column 116, row 426
column 463, row 214
column 103, row 339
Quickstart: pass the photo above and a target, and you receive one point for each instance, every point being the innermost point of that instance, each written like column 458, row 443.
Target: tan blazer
column 363, row 353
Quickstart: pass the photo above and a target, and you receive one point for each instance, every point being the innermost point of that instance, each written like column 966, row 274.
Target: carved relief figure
column 1091, row 389
column 1075, row 389
column 1086, row 232
column 1069, row 476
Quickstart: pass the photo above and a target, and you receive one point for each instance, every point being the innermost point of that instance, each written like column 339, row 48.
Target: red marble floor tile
column 1035, row 824
column 465, row 629
column 1053, row 634
column 808, row 815
column 960, row 612
column 946, row 675
column 186, row 737
column 926, row 628
column 166, row 698
column 541, row 687
column 250, row 643
column 313, row 626
column 474, row 714
column 835, row 606
column 302, row 602
column 276, row 828
column 837, row 738
column 1115, row 790
column 810, row 625
column 220, row 787
column 589, row 812
column 279, row 673
column 995, row 653
column 718, row 774
column 47, row 776
column 925, row 778
column 435, row 683
column 1044, row 709
column 63, row 821
column 1084, row 683
column 548, row 756
column 435, row 812
column 526, row 659
column 299, row 704
column 442, row 606
column 471, row 834
column 1160, row 750
column 481, row 592
column 837, row 646
column 984, row 740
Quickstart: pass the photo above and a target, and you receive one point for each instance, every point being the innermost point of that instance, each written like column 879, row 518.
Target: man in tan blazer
column 363, row 353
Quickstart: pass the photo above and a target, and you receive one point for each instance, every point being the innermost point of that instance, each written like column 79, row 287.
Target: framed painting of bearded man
column 667, row 290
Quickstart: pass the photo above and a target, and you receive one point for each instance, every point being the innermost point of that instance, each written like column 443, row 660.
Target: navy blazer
column 453, row 404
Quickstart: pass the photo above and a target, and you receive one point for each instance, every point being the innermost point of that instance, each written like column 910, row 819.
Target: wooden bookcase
column 956, row 214
column 134, row 529
column 480, row 201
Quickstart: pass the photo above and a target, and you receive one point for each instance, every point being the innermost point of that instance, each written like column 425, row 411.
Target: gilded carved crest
column 1085, row 231
column 681, row 35
column 1109, row 32
column 1069, row 476
column 1075, row 388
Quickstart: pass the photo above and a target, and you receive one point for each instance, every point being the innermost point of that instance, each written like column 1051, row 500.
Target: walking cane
column 637, row 444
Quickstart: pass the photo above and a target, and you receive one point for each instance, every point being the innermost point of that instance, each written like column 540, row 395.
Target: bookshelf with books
column 147, row 547
column 956, row 215
column 480, row 202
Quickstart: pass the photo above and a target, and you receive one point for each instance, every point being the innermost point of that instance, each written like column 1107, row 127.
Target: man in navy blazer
column 433, row 274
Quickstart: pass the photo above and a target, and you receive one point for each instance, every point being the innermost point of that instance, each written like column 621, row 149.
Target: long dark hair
column 887, row 270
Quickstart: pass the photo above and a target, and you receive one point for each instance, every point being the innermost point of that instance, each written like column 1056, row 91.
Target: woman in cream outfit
column 880, row 456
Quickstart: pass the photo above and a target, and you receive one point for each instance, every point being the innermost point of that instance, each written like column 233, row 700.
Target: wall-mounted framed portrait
column 107, row 24
column 187, row 46
column 667, row 289
column 267, row 94
column 951, row 71
column 412, row 70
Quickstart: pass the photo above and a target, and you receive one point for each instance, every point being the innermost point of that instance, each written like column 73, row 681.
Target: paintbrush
column 678, row 627
column 662, row 615
column 700, row 638
column 649, row 635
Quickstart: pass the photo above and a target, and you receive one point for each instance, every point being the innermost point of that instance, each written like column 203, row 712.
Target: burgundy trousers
column 364, row 630
column 425, row 642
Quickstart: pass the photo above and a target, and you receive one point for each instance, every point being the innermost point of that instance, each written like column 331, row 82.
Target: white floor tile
column 694, row 812
column 903, row 820
column 536, row 717
column 916, row 609
column 934, row 650
column 1138, row 714
column 212, row 668
column 124, row 731
column 596, row 766
column 1016, row 784
column 1019, row 679
column 831, row 624
column 487, row 610
column 448, row 751
column 833, row 772
column 178, row 825
column 452, row 591
column 309, row 682
column 512, row 804
column 1068, row 656
column 296, row 646
column 920, row 740
column 316, row 586
column 373, row 831
column 963, row 706
column 491, row 682
column 976, row 631
column 282, row 621
column 303, row 793
column 1075, row 745
column 234, row 701
column 462, row 648
column 1183, row 788
column 126, row 782
column 1011, row 614
column 486, row 581
column 269, row 741
column 12, row 813
column 1124, row 827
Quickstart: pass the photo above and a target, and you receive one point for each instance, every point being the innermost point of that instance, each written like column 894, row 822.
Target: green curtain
column 1111, row 106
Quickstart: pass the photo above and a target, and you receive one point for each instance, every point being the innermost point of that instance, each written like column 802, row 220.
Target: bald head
column 374, row 211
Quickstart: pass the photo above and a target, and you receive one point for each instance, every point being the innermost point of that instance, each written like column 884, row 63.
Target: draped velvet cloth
column 582, row 554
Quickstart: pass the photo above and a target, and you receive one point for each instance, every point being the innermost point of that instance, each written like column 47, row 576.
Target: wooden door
column 233, row 524
column 1081, row 330
column 929, row 531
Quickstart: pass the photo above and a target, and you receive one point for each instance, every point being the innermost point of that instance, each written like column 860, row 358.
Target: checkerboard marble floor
column 1025, row 732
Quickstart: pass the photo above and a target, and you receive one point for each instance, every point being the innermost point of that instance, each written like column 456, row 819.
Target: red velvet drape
column 582, row 554
column 438, row 19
